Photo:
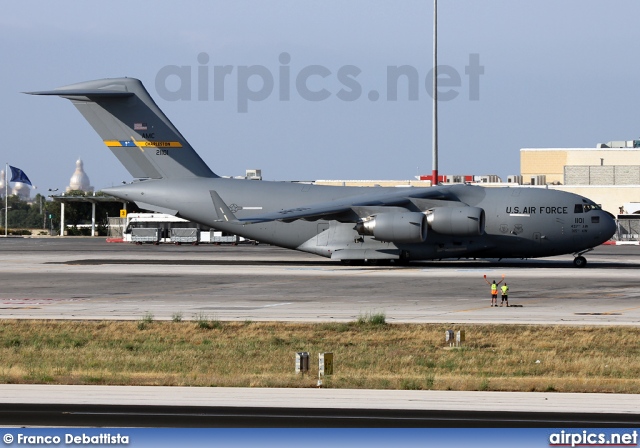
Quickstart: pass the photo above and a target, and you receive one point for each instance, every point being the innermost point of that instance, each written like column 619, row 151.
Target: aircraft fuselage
column 519, row 222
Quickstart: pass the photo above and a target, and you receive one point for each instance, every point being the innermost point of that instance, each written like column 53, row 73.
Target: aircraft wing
column 350, row 209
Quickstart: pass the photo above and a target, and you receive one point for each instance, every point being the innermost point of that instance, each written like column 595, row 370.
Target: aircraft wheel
column 580, row 262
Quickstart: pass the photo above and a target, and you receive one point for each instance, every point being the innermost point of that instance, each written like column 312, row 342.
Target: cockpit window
column 586, row 207
column 589, row 207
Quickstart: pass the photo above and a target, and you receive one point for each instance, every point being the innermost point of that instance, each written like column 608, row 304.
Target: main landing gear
column 580, row 261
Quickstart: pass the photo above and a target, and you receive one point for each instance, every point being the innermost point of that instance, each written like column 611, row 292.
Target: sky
column 309, row 92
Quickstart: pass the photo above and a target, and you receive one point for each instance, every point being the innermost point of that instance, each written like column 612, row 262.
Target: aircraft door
column 323, row 234
column 536, row 238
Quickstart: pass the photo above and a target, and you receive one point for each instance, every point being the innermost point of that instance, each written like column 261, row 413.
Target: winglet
column 222, row 210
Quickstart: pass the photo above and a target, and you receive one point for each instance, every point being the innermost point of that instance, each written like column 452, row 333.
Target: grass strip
column 368, row 353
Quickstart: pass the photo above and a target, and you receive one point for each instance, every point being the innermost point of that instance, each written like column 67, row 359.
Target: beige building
column 608, row 174
column 552, row 161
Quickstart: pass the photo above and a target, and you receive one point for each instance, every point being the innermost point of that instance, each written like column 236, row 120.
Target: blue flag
column 17, row 175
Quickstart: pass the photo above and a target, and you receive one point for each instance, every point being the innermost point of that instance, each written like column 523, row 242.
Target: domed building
column 80, row 180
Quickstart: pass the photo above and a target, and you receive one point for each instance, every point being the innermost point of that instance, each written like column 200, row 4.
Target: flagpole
column 6, row 204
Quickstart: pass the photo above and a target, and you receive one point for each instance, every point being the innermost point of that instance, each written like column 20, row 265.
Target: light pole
column 5, row 210
column 50, row 216
column 434, row 124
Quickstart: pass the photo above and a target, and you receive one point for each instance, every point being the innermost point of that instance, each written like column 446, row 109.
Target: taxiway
column 87, row 278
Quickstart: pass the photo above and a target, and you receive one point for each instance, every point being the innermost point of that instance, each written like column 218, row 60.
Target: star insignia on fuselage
column 234, row 208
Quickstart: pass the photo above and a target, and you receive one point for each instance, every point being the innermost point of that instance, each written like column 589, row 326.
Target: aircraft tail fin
column 135, row 129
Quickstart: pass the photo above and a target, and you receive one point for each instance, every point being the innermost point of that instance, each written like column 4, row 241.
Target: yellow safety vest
column 505, row 289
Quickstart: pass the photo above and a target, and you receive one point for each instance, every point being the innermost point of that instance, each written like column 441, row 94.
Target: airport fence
column 628, row 230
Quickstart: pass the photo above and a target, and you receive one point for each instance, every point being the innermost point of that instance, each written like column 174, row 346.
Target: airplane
column 350, row 224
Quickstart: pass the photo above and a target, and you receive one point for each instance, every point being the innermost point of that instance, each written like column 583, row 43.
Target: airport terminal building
column 609, row 174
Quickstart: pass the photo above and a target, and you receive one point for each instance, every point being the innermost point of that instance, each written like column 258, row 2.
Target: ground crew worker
column 505, row 295
column 494, row 290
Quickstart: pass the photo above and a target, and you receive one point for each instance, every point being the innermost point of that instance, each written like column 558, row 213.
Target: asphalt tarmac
column 88, row 278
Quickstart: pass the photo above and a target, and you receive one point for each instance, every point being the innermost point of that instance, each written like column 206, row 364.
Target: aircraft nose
column 609, row 226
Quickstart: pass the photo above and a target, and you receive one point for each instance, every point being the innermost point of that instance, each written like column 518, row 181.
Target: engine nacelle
column 457, row 221
column 410, row 227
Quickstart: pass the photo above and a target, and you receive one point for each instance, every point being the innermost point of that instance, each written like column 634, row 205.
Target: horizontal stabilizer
column 89, row 93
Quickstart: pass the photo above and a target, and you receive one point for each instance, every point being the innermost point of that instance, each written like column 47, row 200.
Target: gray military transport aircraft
column 351, row 224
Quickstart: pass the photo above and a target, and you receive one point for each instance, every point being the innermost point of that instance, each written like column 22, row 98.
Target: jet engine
column 456, row 221
column 410, row 227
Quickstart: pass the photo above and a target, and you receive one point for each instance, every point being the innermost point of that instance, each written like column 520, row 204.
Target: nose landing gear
column 579, row 261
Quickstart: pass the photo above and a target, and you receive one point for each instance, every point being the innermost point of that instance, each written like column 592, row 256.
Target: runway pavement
column 128, row 406
column 87, row 278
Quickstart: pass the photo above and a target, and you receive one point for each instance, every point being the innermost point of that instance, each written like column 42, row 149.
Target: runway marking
column 471, row 309
column 21, row 308
column 277, row 304
column 41, row 301
column 621, row 311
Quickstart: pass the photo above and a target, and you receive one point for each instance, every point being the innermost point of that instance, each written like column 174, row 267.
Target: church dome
column 79, row 180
